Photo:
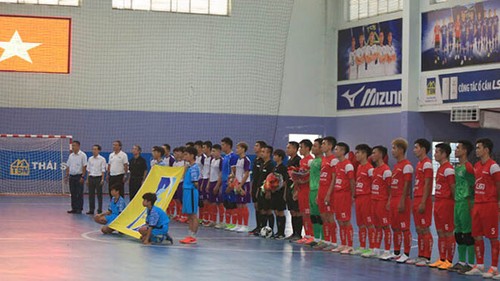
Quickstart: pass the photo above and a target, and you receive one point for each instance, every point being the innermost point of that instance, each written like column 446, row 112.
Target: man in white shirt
column 96, row 169
column 117, row 167
column 390, row 62
column 353, row 67
column 360, row 57
column 75, row 174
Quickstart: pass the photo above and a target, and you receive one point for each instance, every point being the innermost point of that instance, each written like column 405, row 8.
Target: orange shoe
column 301, row 241
column 189, row 240
column 308, row 240
column 436, row 264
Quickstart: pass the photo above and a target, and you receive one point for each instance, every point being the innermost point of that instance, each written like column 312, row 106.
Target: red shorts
column 400, row 220
column 425, row 219
column 381, row 217
column 363, row 210
column 343, row 205
column 444, row 210
column 485, row 220
column 303, row 198
column 324, row 208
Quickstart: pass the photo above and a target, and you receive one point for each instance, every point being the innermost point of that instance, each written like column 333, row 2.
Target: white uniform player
column 353, row 67
column 360, row 57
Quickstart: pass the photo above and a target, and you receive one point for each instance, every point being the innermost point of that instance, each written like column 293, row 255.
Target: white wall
column 305, row 61
column 167, row 62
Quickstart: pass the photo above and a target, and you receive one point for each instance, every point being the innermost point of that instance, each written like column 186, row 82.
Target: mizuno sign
column 369, row 95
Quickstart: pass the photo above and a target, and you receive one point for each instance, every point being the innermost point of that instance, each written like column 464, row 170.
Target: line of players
column 465, row 208
column 373, row 59
column 458, row 38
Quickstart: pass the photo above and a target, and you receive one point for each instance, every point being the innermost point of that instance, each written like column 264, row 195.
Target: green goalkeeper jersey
column 464, row 181
column 314, row 173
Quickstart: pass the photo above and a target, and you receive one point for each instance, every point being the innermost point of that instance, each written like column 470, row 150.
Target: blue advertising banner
column 369, row 95
column 460, row 36
column 32, row 165
column 370, row 51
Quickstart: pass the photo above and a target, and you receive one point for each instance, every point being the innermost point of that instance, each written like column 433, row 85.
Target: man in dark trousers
column 293, row 206
column 138, row 171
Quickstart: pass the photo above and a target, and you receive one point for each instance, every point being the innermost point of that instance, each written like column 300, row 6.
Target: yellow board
column 161, row 180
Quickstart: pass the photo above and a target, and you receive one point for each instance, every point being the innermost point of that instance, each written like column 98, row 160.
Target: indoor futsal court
column 249, row 139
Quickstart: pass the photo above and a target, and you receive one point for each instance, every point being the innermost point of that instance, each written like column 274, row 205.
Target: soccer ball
column 266, row 232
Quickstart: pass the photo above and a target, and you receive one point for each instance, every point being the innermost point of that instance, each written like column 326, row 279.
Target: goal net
column 33, row 164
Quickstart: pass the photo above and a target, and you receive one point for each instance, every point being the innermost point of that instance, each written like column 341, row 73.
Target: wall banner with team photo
column 460, row 36
column 370, row 51
column 461, row 87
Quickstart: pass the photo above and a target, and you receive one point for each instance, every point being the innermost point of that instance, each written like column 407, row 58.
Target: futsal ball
column 266, row 232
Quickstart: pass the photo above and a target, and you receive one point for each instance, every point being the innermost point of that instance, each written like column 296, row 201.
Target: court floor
column 39, row 241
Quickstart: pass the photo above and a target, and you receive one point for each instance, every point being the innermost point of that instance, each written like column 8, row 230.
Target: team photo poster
column 370, row 51
column 460, row 36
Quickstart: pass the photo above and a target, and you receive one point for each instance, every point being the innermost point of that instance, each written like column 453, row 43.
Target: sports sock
column 398, row 240
column 450, row 252
column 318, row 230
column 362, row 232
column 343, row 235
column 333, row 232
column 326, row 232
column 387, row 239
column 462, row 251
column 494, row 252
column 442, row 248
column 281, row 225
column 471, row 254
column 349, row 235
column 429, row 241
column 221, row 213
column 407, row 242
column 299, row 226
column 378, row 238
column 245, row 215
column 479, row 249
column 270, row 219
column 308, row 227
column 371, row 237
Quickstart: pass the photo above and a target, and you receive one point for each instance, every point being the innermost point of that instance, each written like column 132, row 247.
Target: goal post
column 33, row 164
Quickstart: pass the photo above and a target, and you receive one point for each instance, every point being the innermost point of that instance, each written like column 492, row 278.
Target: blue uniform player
column 470, row 35
column 463, row 38
column 230, row 160
column 116, row 206
column 451, row 27
column 478, row 31
column 444, row 42
column 156, row 227
column 495, row 31
column 190, row 194
column 489, row 33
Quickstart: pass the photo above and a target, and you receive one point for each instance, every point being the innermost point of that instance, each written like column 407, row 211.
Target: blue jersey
column 162, row 162
column 117, row 207
column 451, row 27
column 228, row 161
column 192, row 175
column 444, row 33
column 495, row 25
column 157, row 218
column 489, row 27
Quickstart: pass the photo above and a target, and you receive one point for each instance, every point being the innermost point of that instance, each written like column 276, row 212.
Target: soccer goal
column 33, row 164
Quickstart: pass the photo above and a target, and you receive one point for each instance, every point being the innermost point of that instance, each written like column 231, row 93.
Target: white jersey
column 390, row 67
column 180, row 163
column 242, row 166
column 379, row 65
column 360, row 54
column 205, row 173
column 353, row 68
column 215, row 169
column 371, row 50
column 200, row 161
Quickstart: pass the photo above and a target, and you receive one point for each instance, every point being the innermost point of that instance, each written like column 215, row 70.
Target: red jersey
column 424, row 171
column 458, row 30
column 327, row 168
column 344, row 173
column 444, row 179
column 437, row 33
column 364, row 176
column 381, row 182
column 305, row 164
column 401, row 173
column 487, row 175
